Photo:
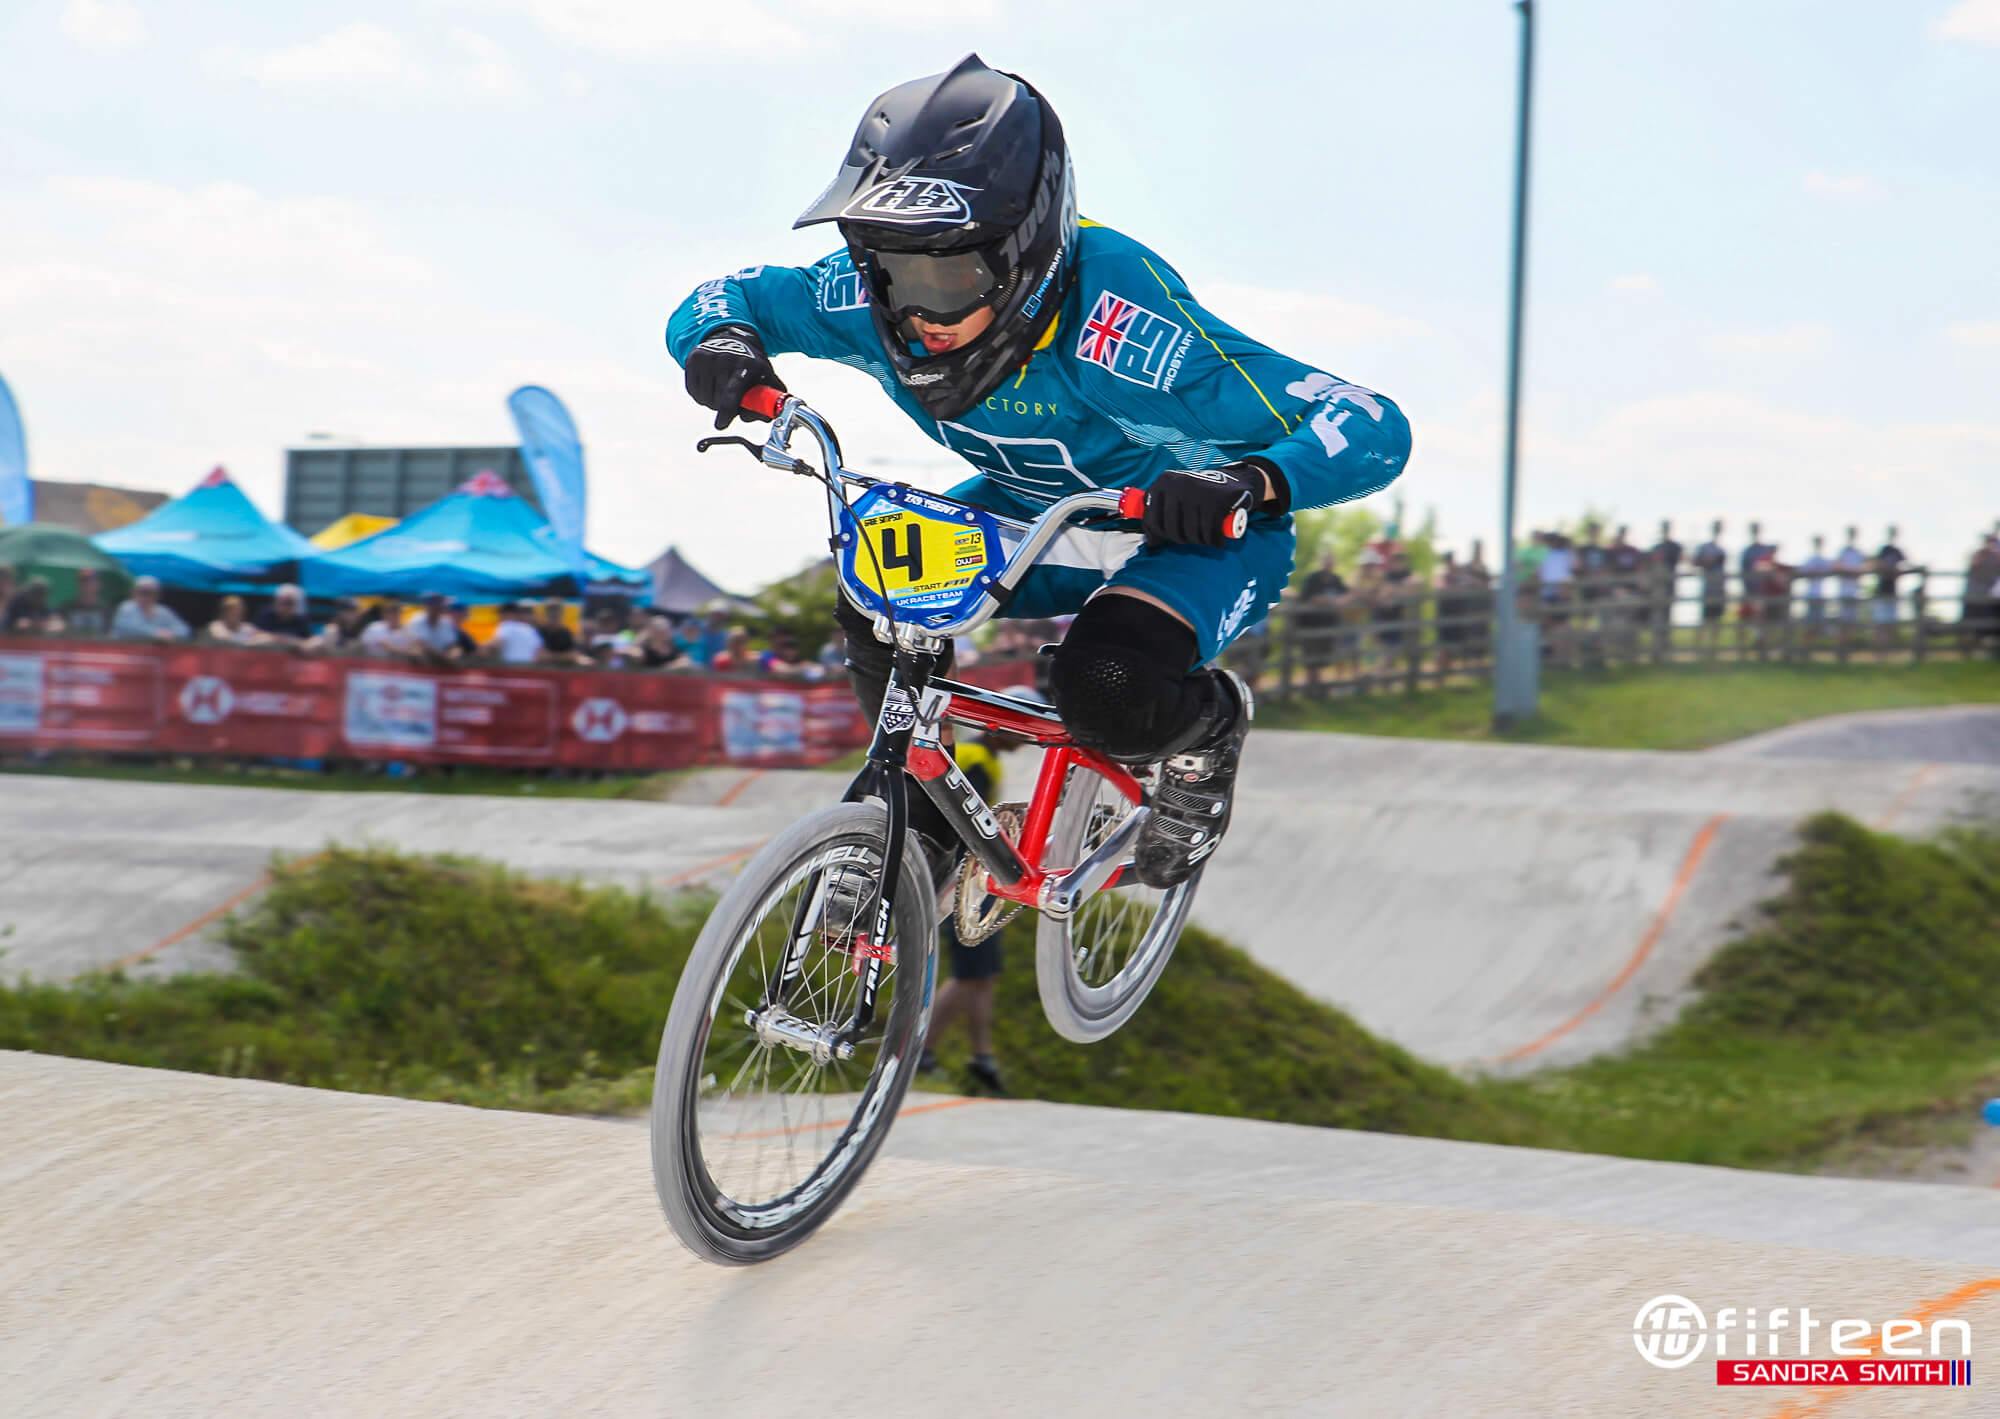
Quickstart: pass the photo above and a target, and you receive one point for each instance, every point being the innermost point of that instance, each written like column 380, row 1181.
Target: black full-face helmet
column 957, row 194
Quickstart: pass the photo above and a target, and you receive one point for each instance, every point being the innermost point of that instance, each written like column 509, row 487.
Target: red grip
column 1132, row 504
column 764, row 400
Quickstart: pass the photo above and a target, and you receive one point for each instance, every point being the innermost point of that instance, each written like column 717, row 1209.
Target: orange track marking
column 1923, row 775
column 1695, row 853
column 263, row 881
column 1825, row 1398
column 737, row 787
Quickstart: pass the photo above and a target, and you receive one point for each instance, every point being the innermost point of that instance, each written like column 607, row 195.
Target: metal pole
column 1518, row 654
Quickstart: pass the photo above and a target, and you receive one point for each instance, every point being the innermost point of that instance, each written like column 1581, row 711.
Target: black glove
column 727, row 364
column 1193, row 504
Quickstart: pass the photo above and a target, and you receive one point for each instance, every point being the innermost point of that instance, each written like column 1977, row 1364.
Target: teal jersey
column 1134, row 379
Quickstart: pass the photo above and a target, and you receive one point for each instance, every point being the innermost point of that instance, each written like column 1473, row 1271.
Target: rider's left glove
column 1194, row 504
column 727, row 364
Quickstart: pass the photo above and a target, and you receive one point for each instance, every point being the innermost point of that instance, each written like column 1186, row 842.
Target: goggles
column 944, row 288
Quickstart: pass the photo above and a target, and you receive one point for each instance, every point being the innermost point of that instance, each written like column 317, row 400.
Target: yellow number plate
column 918, row 556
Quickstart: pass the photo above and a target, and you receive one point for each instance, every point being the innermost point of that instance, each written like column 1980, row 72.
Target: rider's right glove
column 727, row 364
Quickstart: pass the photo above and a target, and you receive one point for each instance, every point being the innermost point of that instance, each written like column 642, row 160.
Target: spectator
column 610, row 643
column 1323, row 582
column 1557, row 568
column 1889, row 569
column 1315, row 620
column 1756, row 551
column 1713, row 563
column 436, row 630
column 559, row 645
column 735, row 657
column 142, row 617
column 388, row 636
column 1815, row 571
column 658, row 649
column 344, row 631
column 1848, row 565
column 1528, row 560
column 1478, row 600
column 1665, row 554
column 27, row 611
column 7, row 585
column 518, row 640
column 833, row 655
column 715, row 635
column 783, row 659
column 230, row 628
column 1624, row 563
column 1981, row 614
column 463, row 645
column 87, row 615
column 1592, row 565
column 284, row 622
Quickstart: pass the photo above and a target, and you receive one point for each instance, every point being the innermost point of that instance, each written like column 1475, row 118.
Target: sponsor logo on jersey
column 1232, row 619
column 840, row 285
column 1326, row 391
column 916, row 200
column 1127, row 339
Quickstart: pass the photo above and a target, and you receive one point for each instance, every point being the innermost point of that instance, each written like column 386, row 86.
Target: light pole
column 1517, row 645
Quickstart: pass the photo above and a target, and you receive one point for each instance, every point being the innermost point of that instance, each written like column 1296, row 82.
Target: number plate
column 926, row 558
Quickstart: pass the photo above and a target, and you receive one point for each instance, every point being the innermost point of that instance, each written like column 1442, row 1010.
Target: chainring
column 980, row 913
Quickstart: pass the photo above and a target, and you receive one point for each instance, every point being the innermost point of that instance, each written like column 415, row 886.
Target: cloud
column 654, row 29
column 903, row 12
column 359, row 54
column 1975, row 334
column 1973, row 21
column 1822, row 185
column 1806, row 338
column 104, row 24
column 1301, row 323
column 1638, row 282
column 490, row 70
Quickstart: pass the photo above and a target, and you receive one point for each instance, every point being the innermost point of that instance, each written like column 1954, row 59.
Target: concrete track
column 1954, row 734
column 1486, row 906
column 183, row 1245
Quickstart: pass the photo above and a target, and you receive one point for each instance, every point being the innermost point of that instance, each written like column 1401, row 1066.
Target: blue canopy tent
column 213, row 539
column 480, row 543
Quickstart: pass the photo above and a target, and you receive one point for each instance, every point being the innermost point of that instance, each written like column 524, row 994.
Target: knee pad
column 1121, row 680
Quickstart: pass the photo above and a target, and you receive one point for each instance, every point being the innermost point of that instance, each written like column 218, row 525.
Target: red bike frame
column 983, row 709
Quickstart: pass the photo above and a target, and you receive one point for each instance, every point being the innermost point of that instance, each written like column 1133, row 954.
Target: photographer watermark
column 1776, row 1345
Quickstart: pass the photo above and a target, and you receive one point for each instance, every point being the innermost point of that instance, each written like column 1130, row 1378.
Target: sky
column 1762, row 277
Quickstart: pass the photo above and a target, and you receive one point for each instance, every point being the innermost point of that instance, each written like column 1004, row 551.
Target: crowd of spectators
column 432, row 632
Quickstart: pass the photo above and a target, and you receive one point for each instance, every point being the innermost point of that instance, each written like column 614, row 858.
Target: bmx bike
column 799, row 1018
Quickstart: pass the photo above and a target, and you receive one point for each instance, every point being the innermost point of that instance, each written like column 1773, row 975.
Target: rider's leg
column 1126, row 682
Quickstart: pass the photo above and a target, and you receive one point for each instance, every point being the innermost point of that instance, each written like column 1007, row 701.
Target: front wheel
column 1096, row 969
column 766, row 1115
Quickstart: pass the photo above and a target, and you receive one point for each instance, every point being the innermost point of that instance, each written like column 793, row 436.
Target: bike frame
column 908, row 741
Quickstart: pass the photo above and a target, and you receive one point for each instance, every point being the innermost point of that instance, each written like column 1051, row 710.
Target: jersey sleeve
column 807, row 310
column 1330, row 440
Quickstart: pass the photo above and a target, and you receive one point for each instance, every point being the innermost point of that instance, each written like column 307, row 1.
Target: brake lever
column 755, row 450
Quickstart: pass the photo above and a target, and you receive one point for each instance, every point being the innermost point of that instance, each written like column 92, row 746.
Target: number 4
column 911, row 558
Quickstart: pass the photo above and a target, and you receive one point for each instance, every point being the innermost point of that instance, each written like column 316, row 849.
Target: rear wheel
column 764, row 1120
column 1096, row 968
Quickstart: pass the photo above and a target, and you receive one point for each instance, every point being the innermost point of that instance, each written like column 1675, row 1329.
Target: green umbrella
column 58, row 553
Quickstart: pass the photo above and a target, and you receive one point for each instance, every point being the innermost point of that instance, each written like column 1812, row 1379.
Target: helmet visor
column 945, row 288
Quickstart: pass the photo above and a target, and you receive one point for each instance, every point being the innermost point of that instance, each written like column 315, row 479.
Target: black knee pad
column 1121, row 679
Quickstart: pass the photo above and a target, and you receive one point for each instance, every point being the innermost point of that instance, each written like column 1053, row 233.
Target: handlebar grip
column 1132, row 504
column 764, row 400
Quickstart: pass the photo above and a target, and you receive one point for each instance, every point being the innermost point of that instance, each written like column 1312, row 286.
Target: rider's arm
column 807, row 310
column 1318, row 439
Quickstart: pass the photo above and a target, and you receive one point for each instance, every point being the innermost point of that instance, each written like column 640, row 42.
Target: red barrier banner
column 249, row 702
column 635, row 721
column 78, row 697
column 253, row 703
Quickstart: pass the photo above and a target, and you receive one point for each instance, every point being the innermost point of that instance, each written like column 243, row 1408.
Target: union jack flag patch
column 1127, row 339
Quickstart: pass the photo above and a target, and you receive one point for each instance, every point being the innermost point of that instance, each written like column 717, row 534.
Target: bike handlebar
column 787, row 412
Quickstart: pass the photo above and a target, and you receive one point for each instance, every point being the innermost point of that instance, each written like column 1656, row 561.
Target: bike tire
column 709, row 1221
column 1095, row 969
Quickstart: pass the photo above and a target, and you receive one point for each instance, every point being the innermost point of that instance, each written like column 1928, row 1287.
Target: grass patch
column 1665, row 707
column 1864, row 1011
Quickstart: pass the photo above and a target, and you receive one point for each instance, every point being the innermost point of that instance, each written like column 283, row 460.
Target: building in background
column 326, row 482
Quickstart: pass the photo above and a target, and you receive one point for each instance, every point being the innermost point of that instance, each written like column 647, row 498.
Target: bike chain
column 980, row 914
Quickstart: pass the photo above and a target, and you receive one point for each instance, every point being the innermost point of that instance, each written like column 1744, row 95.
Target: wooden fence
column 1365, row 643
